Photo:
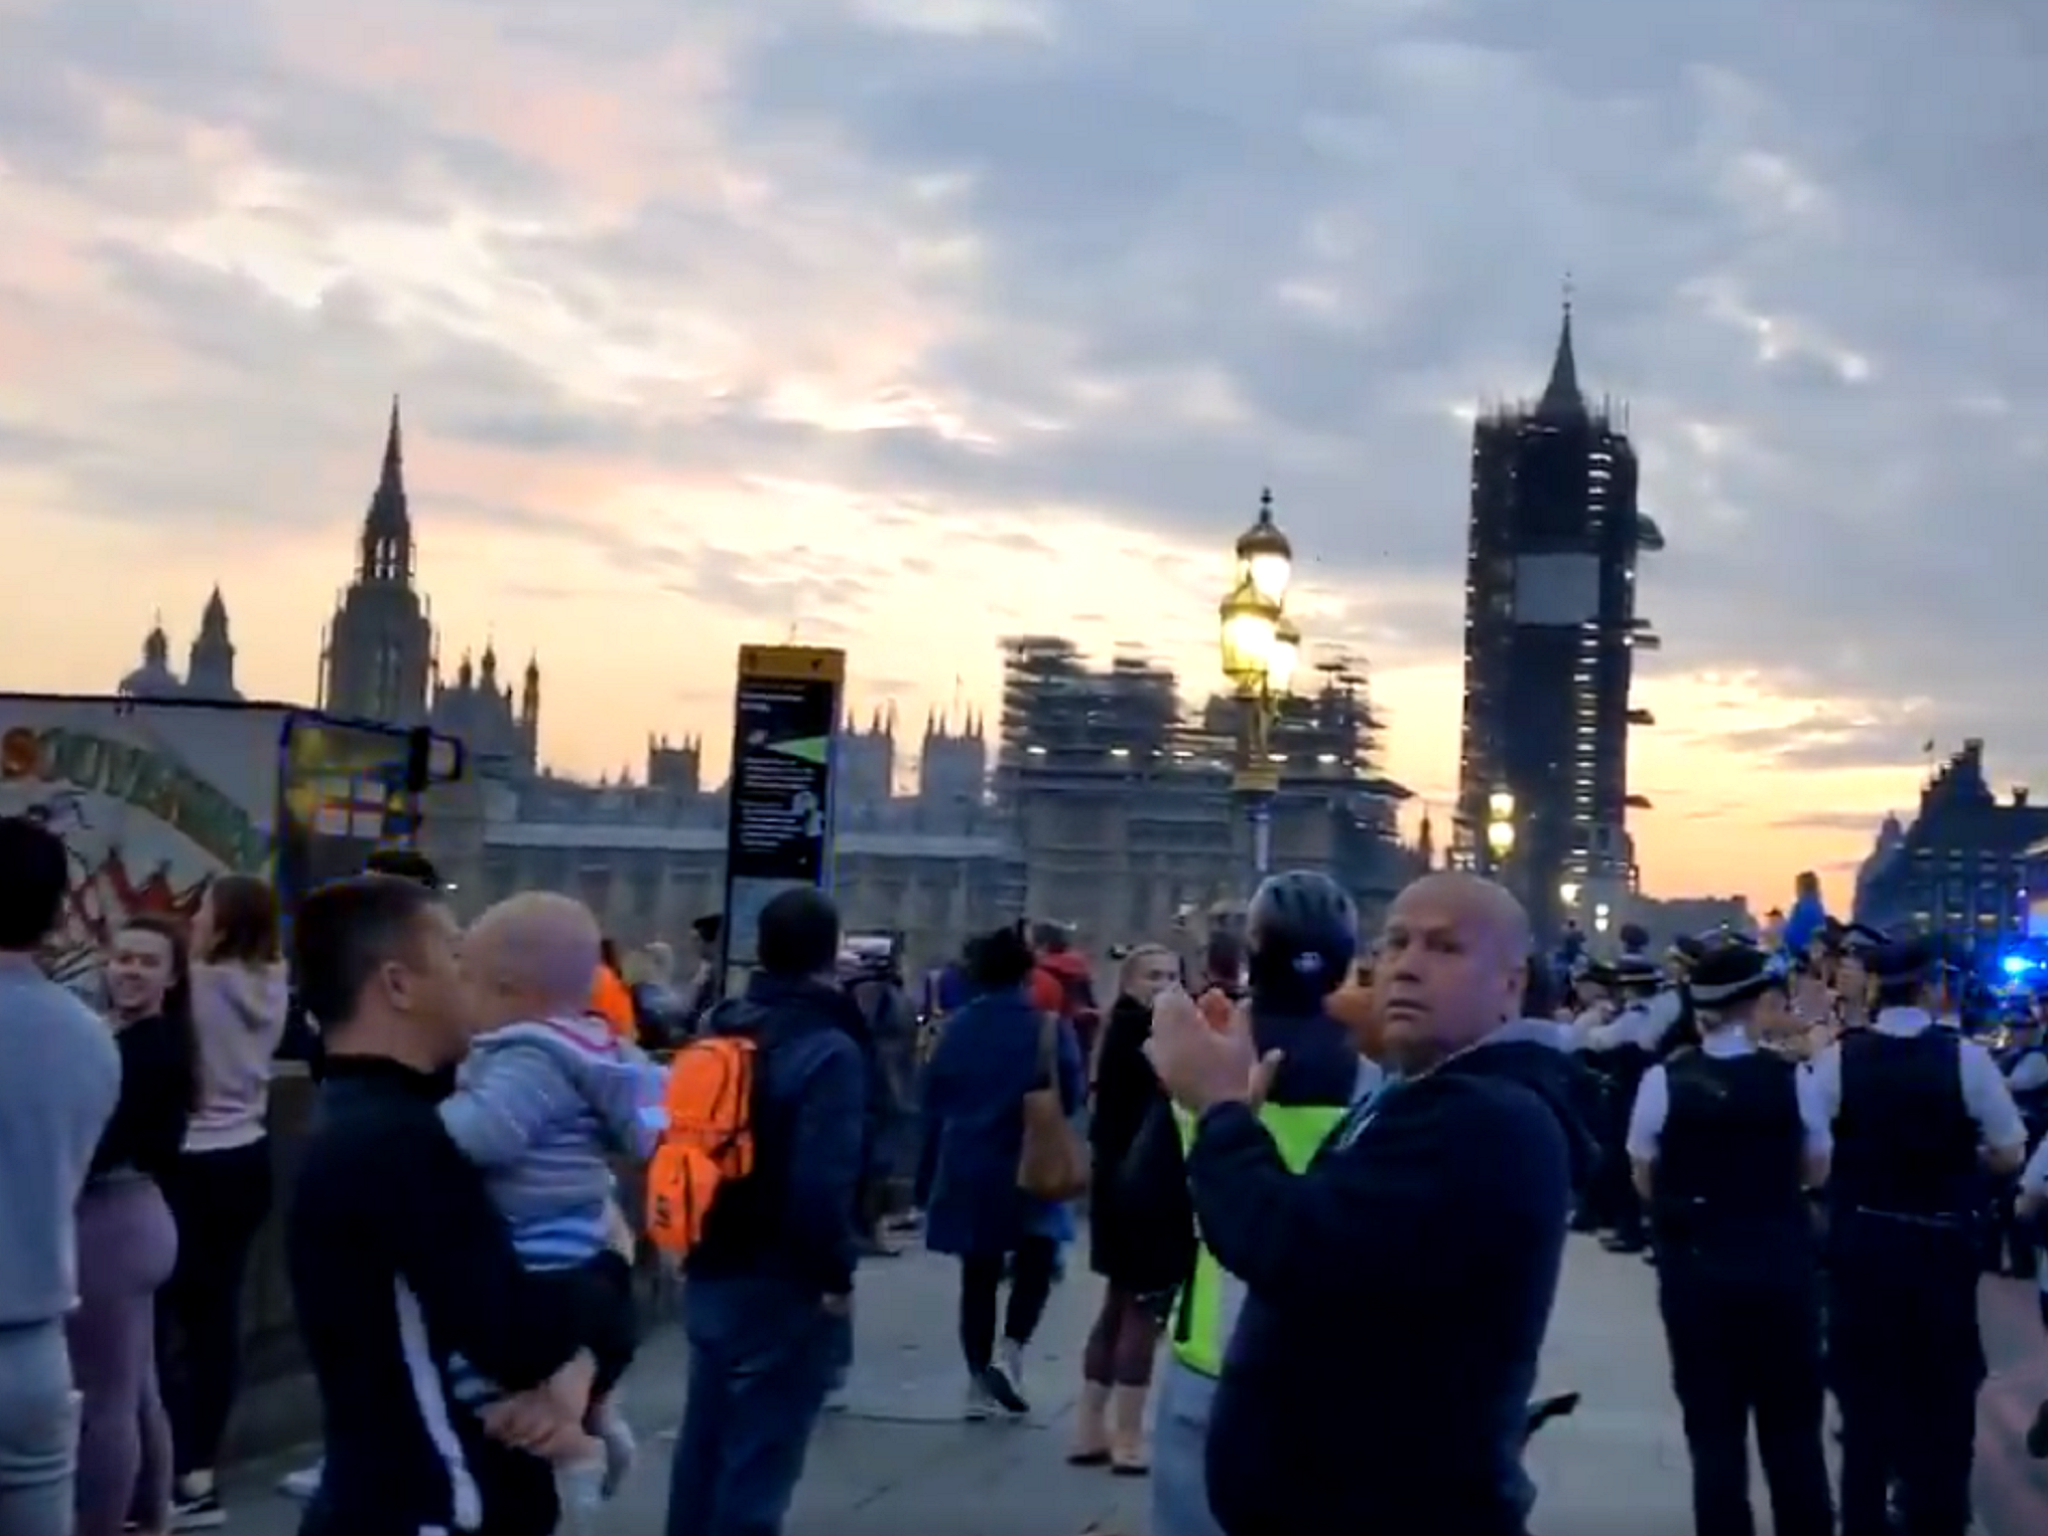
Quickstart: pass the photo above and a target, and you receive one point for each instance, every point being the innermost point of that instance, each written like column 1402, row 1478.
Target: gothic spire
column 393, row 474
column 387, row 527
column 1562, row 398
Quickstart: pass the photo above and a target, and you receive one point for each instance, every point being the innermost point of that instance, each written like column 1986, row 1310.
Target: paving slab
column 899, row 1460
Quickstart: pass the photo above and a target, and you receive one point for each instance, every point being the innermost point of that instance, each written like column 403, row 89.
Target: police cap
column 1861, row 939
column 1637, row 971
column 1595, row 971
column 1686, row 950
column 1730, row 975
column 1904, row 962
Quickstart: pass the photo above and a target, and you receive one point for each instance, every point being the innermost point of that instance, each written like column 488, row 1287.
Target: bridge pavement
column 899, row 1460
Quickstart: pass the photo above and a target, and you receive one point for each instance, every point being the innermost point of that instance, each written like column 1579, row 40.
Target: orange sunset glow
column 699, row 343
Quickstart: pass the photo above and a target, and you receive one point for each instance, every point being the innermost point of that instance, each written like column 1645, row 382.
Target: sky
column 905, row 325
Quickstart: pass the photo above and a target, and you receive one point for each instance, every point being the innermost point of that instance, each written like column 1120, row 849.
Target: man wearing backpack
column 755, row 1190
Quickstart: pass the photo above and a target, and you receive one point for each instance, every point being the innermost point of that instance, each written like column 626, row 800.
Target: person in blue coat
column 1808, row 917
column 993, row 1052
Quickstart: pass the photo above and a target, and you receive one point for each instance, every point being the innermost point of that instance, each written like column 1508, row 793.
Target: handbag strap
column 1048, row 1053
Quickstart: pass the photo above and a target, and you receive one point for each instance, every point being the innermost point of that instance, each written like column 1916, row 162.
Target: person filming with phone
column 1398, row 1288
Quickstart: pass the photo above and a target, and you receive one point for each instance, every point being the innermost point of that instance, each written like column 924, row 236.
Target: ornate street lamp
column 1261, row 649
column 1500, row 826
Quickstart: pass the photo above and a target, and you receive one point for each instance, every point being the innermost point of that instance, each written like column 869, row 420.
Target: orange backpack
column 709, row 1138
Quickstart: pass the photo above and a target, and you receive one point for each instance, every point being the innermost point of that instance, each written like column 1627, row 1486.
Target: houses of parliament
column 1096, row 798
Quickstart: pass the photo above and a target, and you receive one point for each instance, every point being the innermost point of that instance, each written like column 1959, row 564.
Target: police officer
column 1622, row 1050
column 2032, row 1214
column 1919, row 1114
column 1851, row 981
column 1725, row 1140
column 1592, row 1005
column 1676, row 999
column 1301, row 933
column 2025, row 1064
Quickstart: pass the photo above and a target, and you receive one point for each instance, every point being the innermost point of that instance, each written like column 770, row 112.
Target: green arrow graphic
column 811, row 749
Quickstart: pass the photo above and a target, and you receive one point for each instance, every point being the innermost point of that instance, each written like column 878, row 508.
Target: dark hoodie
column 1380, row 1376
column 1319, row 1066
column 795, row 1217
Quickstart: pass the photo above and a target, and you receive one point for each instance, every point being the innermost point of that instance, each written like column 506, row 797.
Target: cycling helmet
column 1301, row 925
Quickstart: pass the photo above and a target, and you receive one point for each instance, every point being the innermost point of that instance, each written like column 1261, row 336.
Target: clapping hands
column 1200, row 1066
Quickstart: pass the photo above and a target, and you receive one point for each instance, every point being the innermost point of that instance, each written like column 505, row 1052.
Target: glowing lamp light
column 1283, row 656
column 2016, row 965
column 1251, row 626
column 1568, row 893
column 1500, row 806
column 1270, row 576
column 1500, row 837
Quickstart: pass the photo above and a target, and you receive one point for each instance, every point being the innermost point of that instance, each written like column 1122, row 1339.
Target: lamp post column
column 1260, row 649
column 1258, row 781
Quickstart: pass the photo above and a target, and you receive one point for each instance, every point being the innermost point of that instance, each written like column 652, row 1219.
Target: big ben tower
column 379, row 650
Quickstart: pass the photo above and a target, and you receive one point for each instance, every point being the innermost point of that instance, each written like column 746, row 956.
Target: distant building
column 648, row 881
column 1960, row 869
column 1551, row 631
column 1124, row 808
column 1891, row 836
column 952, row 768
column 676, row 769
column 377, row 657
column 502, row 736
column 210, row 663
column 864, row 769
column 1101, row 798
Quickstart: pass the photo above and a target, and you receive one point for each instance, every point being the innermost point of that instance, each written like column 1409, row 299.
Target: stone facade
column 648, row 882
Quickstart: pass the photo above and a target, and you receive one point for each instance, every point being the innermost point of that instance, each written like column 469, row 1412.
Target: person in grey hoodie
column 219, row 1189
column 57, row 1092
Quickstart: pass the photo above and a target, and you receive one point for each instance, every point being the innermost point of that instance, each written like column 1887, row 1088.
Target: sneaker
column 197, row 1512
column 1005, row 1381
column 620, row 1447
column 302, row 1484
column 579, row 1485
column 980, row 1405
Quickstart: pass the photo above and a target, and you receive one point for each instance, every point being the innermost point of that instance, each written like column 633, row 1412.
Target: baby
column 547, row 1098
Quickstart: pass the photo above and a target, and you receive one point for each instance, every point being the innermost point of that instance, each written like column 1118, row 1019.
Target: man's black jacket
column 1380, row 1376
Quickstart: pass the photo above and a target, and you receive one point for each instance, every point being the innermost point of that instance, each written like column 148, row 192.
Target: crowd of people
column 1821, row 1144
column 134, row 1145
column 1278, row 1137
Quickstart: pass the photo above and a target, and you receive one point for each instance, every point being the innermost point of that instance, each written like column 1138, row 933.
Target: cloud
column 917, row 322
column 1831, row 821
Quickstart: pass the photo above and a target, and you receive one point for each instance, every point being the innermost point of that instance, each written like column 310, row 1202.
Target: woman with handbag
column 999, row 1097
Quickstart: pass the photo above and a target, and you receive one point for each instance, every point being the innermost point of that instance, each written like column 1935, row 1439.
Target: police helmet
column 1303, row 923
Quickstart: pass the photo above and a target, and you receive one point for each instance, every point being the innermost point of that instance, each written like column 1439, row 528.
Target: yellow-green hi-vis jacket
column 1209, row 1303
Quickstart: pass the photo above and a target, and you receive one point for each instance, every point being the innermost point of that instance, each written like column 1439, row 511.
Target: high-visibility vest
column 1206, row 1313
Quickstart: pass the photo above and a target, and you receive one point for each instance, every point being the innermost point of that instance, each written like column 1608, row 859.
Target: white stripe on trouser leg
column 465, row 1502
